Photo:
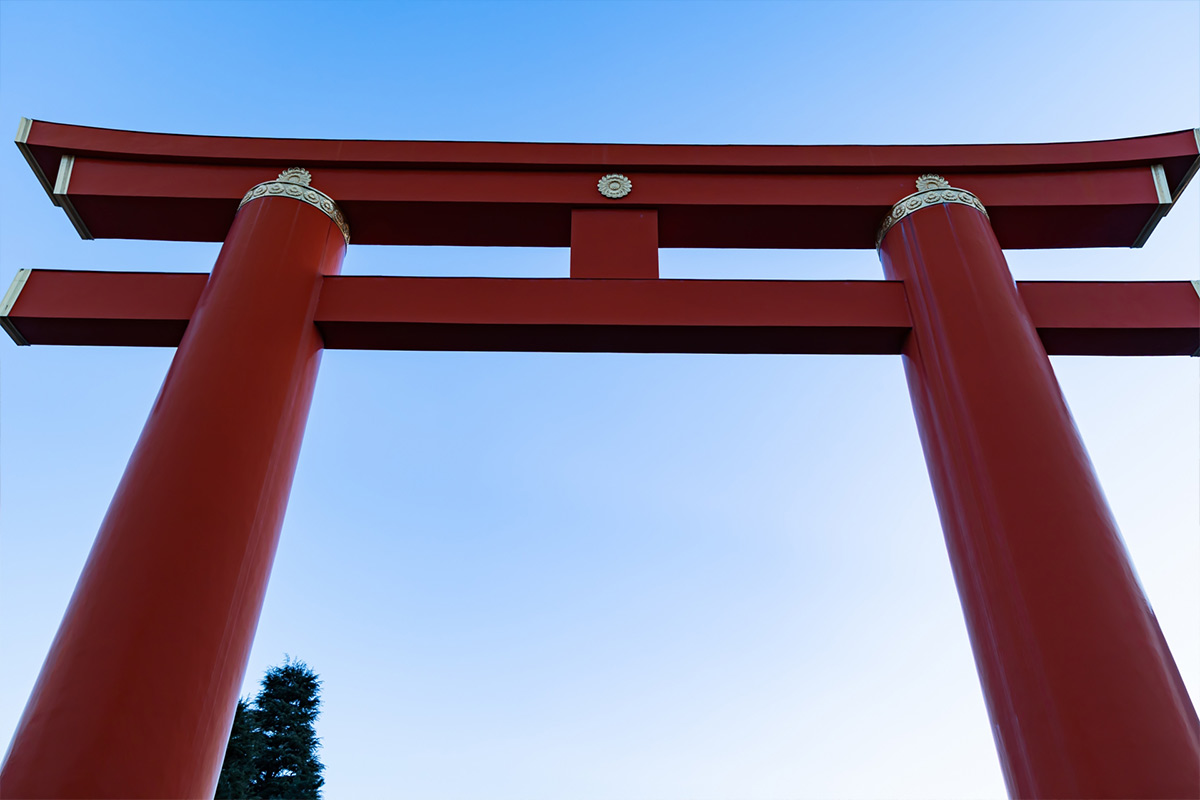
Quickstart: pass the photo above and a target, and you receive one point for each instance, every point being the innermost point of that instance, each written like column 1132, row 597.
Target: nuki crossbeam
column 1083, row 694
column 152, row 309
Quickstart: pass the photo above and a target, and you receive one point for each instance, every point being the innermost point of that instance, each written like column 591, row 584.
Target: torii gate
column 1084, row 697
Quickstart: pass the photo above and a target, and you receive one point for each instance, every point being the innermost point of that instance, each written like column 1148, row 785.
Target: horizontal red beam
column 1115, row 318
column 130, row 200
column 636, row 316
column 124, row 184
column 48, row 141
column 71, row 307
column 578, row 315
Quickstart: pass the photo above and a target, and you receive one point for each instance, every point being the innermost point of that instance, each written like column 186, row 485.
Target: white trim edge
column 61, row 186
column 1191, row 171
column 1159, row 175
column 1160, row 184
column 1196, row 286
column 23, row 128
column 10, row 300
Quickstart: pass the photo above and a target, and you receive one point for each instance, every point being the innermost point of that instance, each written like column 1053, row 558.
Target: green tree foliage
column 285, row 711
column 237, row 772
column 272, row 748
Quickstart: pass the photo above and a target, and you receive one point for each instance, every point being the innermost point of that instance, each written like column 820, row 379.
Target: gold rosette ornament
column 615, row 185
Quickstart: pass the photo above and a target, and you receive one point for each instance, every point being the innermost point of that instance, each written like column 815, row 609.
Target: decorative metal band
column 294, row 183
column 932, row 190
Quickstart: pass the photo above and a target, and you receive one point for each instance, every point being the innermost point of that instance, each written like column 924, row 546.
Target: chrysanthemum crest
column 296, row 175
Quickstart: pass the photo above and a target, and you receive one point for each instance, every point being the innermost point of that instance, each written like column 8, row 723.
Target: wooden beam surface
column 138, row 309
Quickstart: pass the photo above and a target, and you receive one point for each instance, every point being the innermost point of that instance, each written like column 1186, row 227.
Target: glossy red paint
column 158, row 186
column 614, row 243
column 46, row 142
column 1114, row 318
column 1084, row 696
column 143, row 309
column 128, row 309
column 1083, row 693
column 136, row 696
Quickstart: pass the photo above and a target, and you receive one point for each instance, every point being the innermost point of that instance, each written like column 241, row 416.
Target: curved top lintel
column 115, row 185
column 41, row 138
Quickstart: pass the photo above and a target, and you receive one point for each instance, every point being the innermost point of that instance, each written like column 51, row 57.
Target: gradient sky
column 604, row 576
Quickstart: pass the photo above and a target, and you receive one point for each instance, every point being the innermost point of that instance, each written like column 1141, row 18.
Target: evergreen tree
column 237, row 772
column 285, row 761
column 272, row 747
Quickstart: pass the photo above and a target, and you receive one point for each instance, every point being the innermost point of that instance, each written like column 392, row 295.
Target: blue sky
column 602, row 576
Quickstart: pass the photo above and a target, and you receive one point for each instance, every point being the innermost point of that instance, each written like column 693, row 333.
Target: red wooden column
column 1084, row 696
column 136, row 696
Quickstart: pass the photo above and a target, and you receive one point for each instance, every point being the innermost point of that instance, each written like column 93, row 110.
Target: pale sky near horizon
column 604, row 576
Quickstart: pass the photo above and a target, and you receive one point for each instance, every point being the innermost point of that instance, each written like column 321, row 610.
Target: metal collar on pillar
column 214, row 467
column 931, row 190
column 295, row 183
column 1084, row 696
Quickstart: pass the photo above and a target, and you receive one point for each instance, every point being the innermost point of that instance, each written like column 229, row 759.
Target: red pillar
column 1084, row 696
column 136, row 696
